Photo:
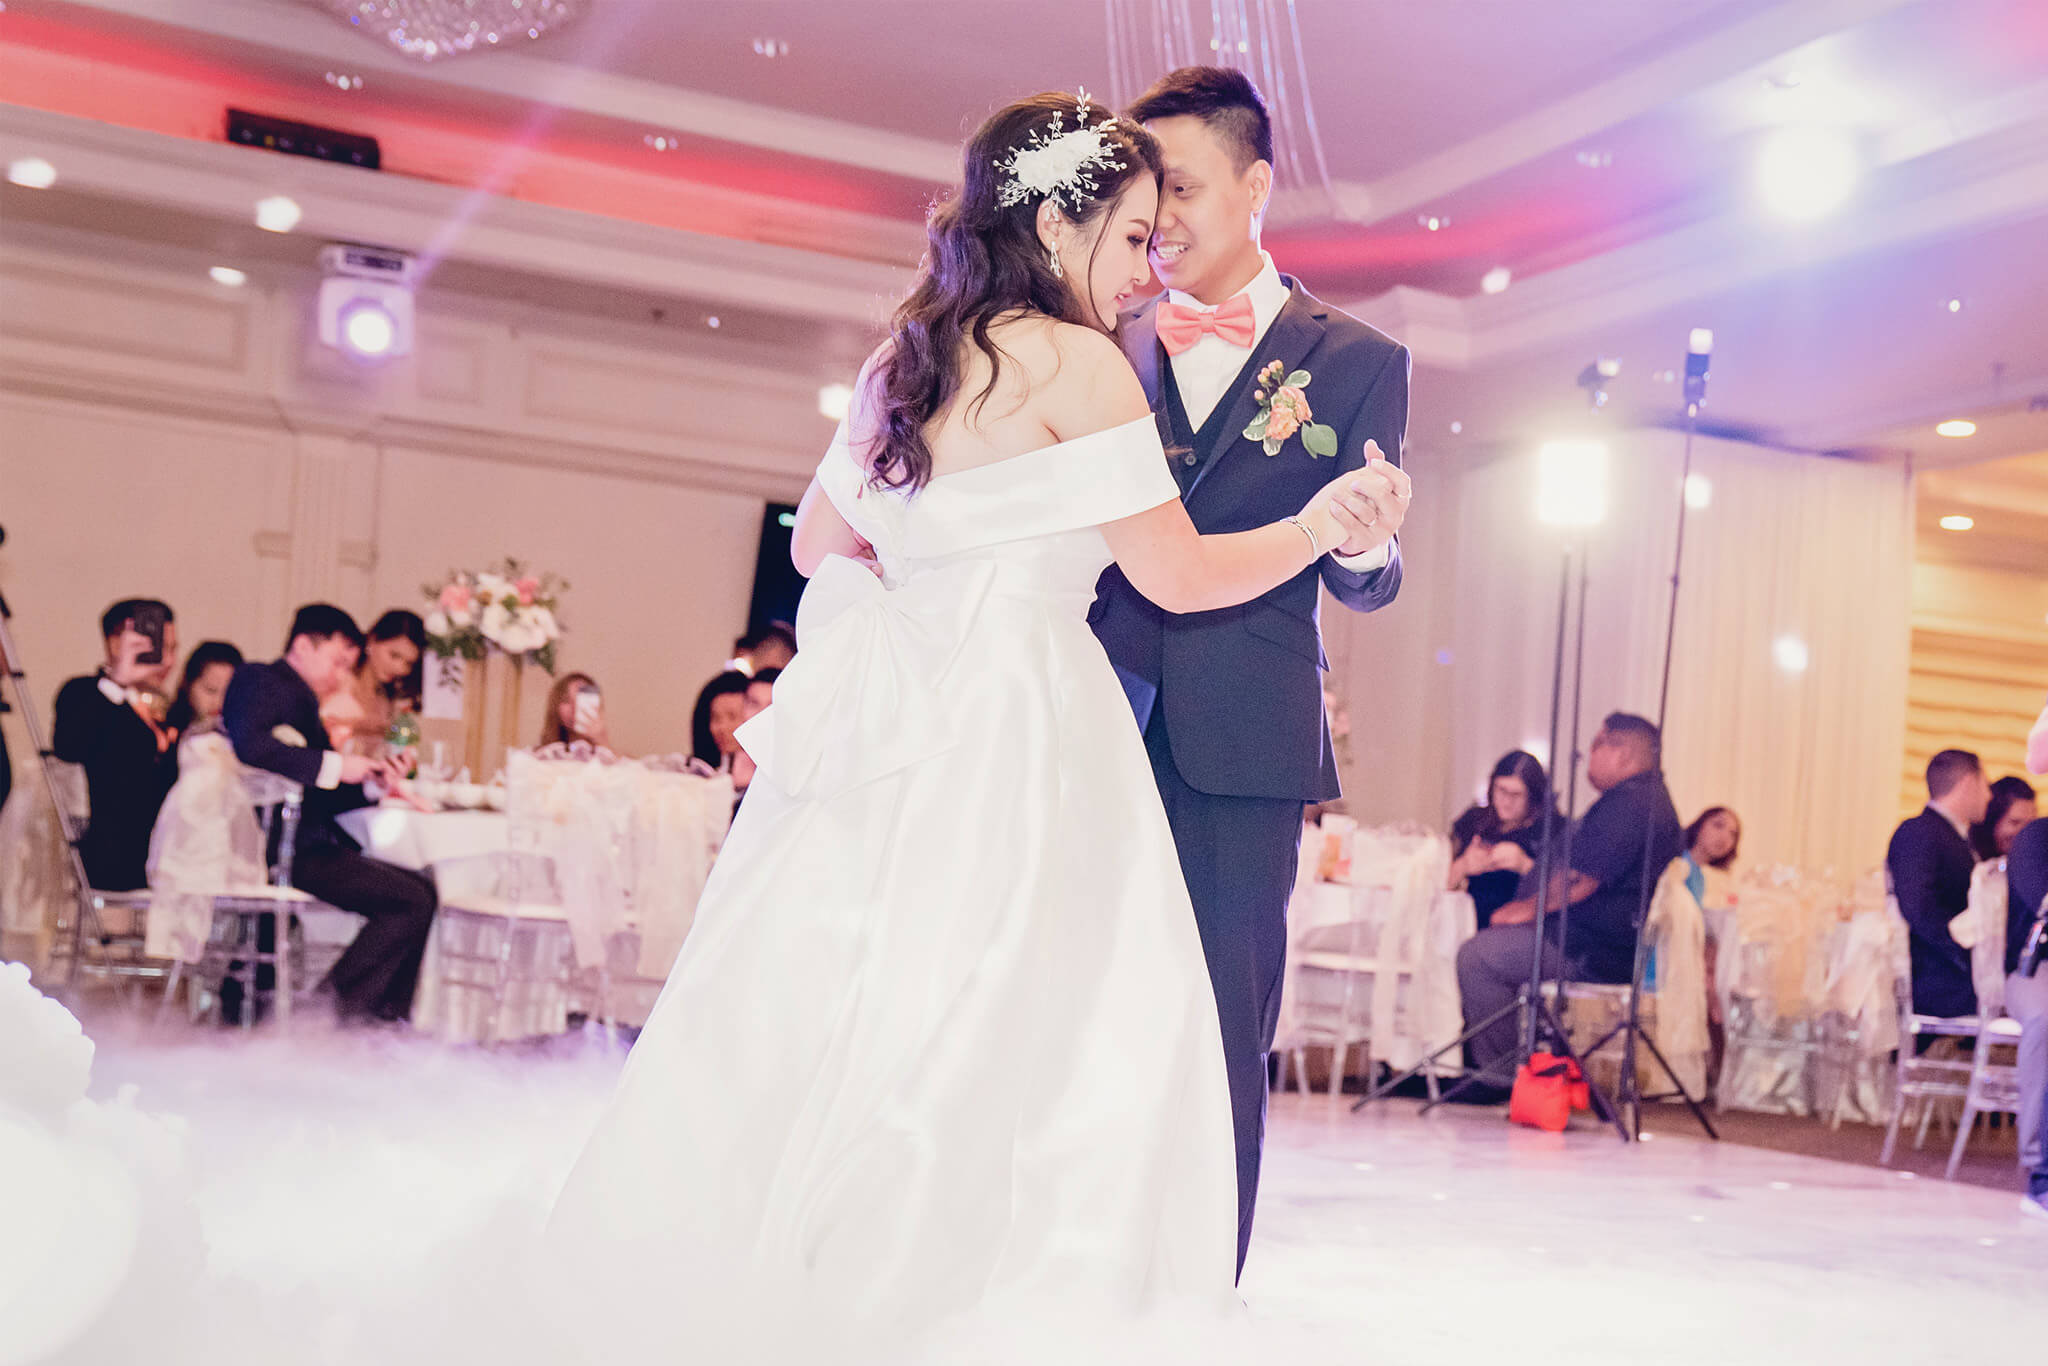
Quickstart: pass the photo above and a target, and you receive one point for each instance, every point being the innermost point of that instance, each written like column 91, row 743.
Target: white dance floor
column 351, row 1166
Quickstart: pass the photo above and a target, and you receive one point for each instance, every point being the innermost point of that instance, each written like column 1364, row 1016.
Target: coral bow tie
column 1181, row 327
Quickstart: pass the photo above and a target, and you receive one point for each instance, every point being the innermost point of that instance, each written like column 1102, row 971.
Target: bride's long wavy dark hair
column 984, row 260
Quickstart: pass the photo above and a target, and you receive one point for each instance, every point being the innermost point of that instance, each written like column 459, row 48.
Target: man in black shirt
column 1929, row 864
column 1603, row 888
column 110, row 724
column 2026, row 1000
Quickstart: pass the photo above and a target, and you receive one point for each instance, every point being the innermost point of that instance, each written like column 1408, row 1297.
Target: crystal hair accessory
column 1060, row 163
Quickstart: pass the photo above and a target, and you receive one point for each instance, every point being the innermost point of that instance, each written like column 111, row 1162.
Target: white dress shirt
column 1201, row 375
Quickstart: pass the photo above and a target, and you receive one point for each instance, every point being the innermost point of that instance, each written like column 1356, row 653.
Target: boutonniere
column 1284, row 410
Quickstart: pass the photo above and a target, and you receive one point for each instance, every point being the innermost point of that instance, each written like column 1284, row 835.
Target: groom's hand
column 1372, row 509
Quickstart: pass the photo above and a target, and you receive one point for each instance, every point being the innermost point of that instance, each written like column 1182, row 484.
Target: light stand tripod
column 1628, row 1089
column 1543, row 1022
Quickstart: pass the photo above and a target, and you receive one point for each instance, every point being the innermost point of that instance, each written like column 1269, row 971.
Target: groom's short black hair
column 1226, row 100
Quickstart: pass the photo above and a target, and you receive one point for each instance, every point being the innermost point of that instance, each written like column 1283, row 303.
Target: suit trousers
column 1238, row 855
column 376, row 976
column 2026, row 1000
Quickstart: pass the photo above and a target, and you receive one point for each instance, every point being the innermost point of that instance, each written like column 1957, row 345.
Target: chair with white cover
column 96, row 933
column 220, row 867
column 1360, row 953
column 1994, row 1085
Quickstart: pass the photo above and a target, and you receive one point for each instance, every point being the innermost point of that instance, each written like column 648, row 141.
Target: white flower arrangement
column 1059, row 163
column 504, row 608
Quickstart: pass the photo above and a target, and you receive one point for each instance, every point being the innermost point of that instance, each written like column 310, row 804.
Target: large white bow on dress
column 863, row 699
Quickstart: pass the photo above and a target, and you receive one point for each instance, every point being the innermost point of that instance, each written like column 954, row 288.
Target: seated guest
column 1498, row 842
column 761, row 693
column 1630, row 831
column 771, row 647
column 1711, row 844
column 720, row 709
column 272, row 716
column 2026, row 1000
column 1929, row 865
column 386, row 681
column 112, row 724
column 208, row 671
column 2012, row 809
column 575, row 713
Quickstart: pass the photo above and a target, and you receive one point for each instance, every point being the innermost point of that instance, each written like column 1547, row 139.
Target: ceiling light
column 1434, row 222
column 368, row 329
column 661, row 142
column 1699, row 492
column 341, row 81
column 1571, row 487
column 1955, row 305
column 1957, row 426
column 1803, row 173
column 1457, row 427
column 770, row 47
column 1497, row 280
column 229, row 276
column 1791, row 654
column 1595, row 161
column 835, row 401
column 32, row 173
column 278, row 214
column 712, row 322
column 1955, row 521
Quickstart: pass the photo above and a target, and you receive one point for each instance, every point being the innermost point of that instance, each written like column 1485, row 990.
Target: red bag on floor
column 1546, row 1090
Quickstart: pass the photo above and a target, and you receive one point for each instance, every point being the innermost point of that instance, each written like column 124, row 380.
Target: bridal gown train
column 941, row 1048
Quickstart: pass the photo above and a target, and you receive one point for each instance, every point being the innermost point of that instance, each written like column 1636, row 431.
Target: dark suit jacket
column 261, row 699
column 1930, row 866
column 2026, row 883
column 1241, row 687
column 127, row 777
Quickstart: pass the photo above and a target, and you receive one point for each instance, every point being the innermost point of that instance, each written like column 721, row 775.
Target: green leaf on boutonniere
column 1298, row 380
column 1319, row 439
column 1272, row 445
column 1257, row 430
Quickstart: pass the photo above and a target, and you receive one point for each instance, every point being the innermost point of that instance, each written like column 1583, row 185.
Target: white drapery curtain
column 1805, row 550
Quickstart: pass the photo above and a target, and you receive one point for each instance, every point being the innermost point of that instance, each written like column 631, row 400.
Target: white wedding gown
column 940, row 1056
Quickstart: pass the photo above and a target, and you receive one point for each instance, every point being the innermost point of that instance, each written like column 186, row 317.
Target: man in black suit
column 1929, row 865
column 1625, row 837
column 1231, row 702
column 2026, row 999
column 110, row 724
column 272, row 716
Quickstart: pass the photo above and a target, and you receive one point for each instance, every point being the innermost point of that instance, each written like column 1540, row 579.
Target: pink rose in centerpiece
column 455, row 598
column 1290, row 410
column 527, row 588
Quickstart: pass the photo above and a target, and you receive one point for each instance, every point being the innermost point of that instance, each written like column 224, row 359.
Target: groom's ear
column 1260, row 182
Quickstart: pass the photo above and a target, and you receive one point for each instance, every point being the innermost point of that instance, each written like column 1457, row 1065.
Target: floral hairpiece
column 1060, row 163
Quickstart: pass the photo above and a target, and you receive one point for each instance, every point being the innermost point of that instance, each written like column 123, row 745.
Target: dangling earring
column 1052, row 258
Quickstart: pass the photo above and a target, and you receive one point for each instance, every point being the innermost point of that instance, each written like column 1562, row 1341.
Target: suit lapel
column 1292, row 336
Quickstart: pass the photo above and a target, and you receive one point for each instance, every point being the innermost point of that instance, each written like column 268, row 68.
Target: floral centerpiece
column 504, row 608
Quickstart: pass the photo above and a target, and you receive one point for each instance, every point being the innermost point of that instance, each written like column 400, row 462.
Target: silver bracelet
column 1315, row 547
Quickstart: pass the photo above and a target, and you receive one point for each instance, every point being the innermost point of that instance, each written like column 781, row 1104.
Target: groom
column 1231, row 701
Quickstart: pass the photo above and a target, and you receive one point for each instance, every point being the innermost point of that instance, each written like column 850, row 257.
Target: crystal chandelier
column 1262, row 38
column 427, row 29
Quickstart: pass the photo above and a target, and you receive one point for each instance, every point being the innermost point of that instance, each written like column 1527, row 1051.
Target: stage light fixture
column 366, row 303
column 1791, row 654
column 1957, row 426
column 1497, row 280
column 835, row 401
column 31, row 173
column 1699, row 492
column 278, row 214
column 1804, row 173
column 1571, row 483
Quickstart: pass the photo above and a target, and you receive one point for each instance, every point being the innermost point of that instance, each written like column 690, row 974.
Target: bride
column 941, row 1050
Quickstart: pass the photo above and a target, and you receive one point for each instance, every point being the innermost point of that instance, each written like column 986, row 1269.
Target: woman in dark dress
column 1497, row 843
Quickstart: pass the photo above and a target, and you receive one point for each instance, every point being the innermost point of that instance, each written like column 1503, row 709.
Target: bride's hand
column 1320, row 512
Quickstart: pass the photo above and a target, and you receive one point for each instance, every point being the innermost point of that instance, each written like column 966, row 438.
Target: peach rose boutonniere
column 1284, row 410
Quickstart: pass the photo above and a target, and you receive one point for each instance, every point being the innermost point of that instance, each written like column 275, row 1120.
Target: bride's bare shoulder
column 1094, row 387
